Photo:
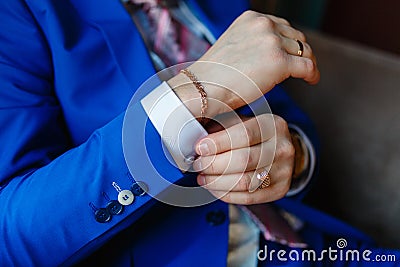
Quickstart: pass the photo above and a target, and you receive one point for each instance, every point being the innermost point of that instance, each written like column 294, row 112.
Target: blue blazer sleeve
column 47, row 184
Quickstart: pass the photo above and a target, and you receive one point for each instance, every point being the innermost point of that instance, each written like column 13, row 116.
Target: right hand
column 263, row 47
column 232, row 155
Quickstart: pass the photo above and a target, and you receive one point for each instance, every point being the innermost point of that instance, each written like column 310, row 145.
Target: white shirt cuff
column 178, row 129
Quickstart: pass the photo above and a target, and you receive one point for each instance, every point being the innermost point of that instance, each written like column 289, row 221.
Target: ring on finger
column 301, row 48
column 265, row 178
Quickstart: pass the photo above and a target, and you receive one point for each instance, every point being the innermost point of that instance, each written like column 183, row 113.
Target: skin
column 262, row 47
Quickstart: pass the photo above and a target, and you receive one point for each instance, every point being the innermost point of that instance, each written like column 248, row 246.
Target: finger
column 292, row 47
column 304, row 68
column 238, row 160
column 281, row 170
column 236, row 182
column 253, row 131
column 224, row 121
column 278, row 20
column 290, row 32
column 271, row 193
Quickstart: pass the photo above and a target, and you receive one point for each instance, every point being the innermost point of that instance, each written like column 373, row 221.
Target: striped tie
column 172, row 41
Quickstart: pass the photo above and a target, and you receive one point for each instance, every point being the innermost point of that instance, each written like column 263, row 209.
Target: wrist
column 220, row 82
column 186, row 93
column 302, row 158
column 306, row 161
column 193, row 99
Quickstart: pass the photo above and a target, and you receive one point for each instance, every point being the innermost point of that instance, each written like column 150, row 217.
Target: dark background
column 370, row 22
column 355, row 108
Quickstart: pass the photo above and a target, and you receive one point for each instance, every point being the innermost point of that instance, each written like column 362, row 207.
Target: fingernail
column 204, row 149
column 197, row 165
column 201, row 180
column 254, row 184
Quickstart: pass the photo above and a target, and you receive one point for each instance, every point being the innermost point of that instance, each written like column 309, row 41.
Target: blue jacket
column 68, row 69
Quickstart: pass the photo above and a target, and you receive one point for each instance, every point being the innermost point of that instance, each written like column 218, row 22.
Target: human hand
column 262, row 47
column 231, row 158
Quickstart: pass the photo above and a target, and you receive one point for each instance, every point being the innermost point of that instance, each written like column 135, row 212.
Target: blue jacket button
column 139, row 188
column 216, row 217
column 114, row 207
column 102, row 215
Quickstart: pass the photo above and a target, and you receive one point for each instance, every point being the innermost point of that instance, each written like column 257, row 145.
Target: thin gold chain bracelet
column 200, row 88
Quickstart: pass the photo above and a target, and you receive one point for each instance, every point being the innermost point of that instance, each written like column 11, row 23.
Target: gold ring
column 265, row 178
column 301, row 48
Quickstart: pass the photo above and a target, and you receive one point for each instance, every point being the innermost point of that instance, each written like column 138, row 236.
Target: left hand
column 258, row 47
column 231, row 158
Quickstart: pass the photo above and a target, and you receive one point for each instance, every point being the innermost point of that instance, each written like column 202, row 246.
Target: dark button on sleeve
column 216, row 217
column 114, row 207
column 139, row 188
column 102, row 215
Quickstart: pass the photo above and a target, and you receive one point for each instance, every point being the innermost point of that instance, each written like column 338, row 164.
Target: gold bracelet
column 200, row 88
